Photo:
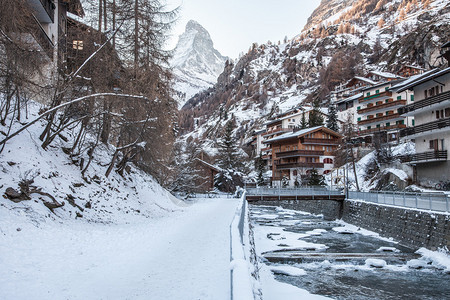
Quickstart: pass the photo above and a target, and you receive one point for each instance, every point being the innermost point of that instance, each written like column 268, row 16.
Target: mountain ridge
column 196, row 63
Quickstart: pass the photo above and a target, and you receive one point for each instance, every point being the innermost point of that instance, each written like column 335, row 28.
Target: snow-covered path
column 182, row 256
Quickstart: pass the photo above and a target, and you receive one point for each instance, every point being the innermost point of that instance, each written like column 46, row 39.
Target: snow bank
column 288, row 270
column 134, row 197
column 439, row 259
column 244, row 285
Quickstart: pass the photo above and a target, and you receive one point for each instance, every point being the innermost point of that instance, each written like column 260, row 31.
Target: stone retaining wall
column 330, row 209
column 411, row 228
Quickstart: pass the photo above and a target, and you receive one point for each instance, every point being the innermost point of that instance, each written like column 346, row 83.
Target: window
column 368, row 94
column 358, row 108
column 378, row 125
column 377, row 91
column 386, row 101
column 447, row 112
column 399, row 97
column 413, row 122
column 327, row 161
column 386, row 88
column 388, row 124
column 359, row 119
column 412, row 97
column 294, row 172
column 369, row 127
column 426, row 94
column 77, row 45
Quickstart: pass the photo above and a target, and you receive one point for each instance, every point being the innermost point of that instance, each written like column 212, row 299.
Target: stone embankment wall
column 411, row 228
column 330, row 209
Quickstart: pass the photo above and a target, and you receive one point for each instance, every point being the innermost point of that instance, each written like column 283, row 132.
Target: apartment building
column 377, row 111
column 431, row 131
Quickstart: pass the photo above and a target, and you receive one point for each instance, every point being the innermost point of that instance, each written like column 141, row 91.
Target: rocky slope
column 196, row 63
column 342, row 39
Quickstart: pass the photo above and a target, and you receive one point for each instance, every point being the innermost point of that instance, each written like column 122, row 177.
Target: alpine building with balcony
column 431, row 132
column 294, row 154
column 378, row 112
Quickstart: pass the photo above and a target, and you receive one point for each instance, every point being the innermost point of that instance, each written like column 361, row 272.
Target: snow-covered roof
column 208, row 165
column 385, row 74
column 363, row 79
column 352, row 98
column 418, row 79
column 297, row 134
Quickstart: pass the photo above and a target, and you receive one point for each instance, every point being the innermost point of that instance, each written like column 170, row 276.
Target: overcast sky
column 235, row 24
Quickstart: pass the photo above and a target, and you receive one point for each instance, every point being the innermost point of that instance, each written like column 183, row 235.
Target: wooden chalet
column 295, row 153
column 204, row 177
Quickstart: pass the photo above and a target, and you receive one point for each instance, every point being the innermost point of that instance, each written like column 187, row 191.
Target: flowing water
column 342, row 261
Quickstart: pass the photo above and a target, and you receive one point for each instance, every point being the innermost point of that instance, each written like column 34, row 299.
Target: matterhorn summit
column 196, row 63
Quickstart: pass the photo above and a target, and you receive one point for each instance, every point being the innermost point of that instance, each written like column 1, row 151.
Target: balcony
column 379, row 119
column 425, row 157
column 384, row 95
column 424, row 103
column 298, row 153
column 286, row 166
column 436, row 125
column 277, row 131
column 382, row 106
column 43, row 10
column 312, row 141
column 384, row 128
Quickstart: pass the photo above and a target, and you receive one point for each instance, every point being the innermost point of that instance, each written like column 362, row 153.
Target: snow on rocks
column 288, row 270
column 388, row 249
column 376, row 263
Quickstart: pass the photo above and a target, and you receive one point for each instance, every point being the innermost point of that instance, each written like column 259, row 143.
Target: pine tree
column 303, row 123
column 315, row 179
column 380, row 23
column 315, row 117
column 260, row 168
column 229, row 162
column 332, row 122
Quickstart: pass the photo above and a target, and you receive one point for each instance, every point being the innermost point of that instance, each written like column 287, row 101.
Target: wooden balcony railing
column 425, row 102
column 313, row 141
column 382, row 106
column 379, row 119
column 425, row 157
column 297, row 153
column 443, row 123
column 283, row 166
column 384, row 128
column 278, row 130
column 368, row 98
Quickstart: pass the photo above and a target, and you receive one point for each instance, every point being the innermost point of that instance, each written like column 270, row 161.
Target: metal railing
column 437, row 201
column 301, row 191
column 427, row 201
column 435, row 125
column 239, row 272
column 424, row 156
column 424, row 103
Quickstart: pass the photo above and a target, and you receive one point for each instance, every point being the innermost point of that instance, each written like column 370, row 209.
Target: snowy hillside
column 94, row 198
column 343, row 39
column 195, row 62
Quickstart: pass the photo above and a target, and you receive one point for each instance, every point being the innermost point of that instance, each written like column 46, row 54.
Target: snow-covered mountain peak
column 195, row 62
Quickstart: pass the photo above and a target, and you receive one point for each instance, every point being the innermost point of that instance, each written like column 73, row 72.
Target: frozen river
column 341, row 261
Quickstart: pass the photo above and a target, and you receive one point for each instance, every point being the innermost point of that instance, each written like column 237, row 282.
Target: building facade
column 431, row 132
column 377, row 112
column 294, row 154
